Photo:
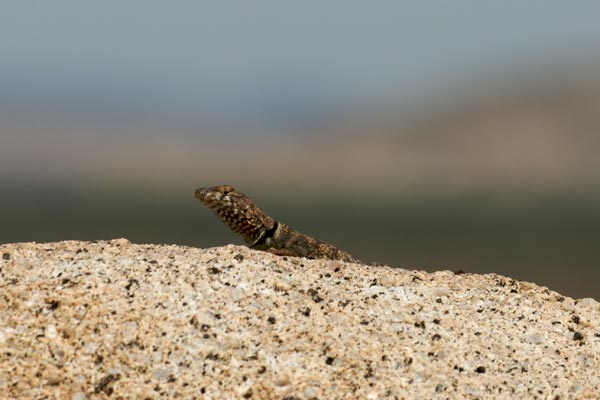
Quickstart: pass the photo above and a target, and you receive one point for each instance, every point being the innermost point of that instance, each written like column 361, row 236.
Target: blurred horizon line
column 283, row 106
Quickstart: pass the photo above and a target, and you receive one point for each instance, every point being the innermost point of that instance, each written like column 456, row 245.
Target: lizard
column 262, row 232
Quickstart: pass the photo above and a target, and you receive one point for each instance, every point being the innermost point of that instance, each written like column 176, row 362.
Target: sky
column 274, row 57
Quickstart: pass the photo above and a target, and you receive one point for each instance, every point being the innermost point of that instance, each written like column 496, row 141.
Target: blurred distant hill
column 536, row 136
column 541, row 135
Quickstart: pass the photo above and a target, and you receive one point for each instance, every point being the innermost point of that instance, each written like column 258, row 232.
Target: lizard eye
column 227, row 189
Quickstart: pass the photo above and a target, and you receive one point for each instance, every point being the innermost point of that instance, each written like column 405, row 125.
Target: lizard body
column 260, row 231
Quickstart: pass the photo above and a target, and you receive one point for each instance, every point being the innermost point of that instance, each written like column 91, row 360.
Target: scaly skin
column 262, row 232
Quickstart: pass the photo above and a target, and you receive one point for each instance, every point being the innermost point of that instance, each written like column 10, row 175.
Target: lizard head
column 213, row 195
column 237, row 211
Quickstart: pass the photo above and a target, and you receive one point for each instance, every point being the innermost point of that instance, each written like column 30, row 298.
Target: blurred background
column 429, row 135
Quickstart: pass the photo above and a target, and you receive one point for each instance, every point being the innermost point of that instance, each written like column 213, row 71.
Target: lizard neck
column 265, row 238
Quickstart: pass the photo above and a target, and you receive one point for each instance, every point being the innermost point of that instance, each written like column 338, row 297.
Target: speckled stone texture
column 111, row 320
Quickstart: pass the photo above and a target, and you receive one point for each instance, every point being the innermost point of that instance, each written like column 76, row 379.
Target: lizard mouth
column 200, row 194
column 206, row 196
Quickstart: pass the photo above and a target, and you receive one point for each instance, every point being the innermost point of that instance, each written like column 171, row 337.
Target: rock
column 110, row 319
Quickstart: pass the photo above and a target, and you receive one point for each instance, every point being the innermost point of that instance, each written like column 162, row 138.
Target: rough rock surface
column 81, row 320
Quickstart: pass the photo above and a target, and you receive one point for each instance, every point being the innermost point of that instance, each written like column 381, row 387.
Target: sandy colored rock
column 81, row 320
